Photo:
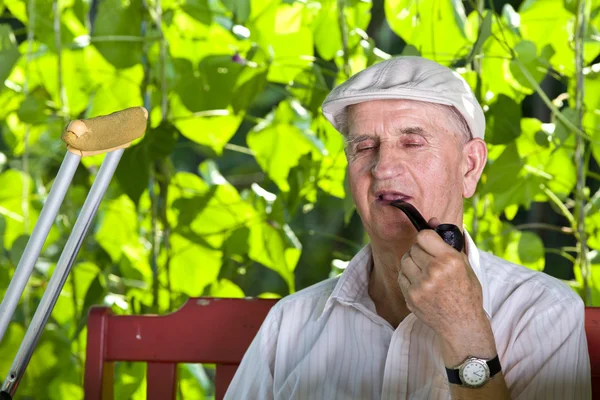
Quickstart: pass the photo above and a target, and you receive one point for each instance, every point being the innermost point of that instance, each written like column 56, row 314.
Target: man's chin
column 394, row 232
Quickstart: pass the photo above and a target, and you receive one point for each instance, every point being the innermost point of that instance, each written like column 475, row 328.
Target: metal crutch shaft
column 61, row 272
column 37, row 239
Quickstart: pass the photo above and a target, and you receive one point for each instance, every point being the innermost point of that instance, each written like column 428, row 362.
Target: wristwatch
column 474, row 372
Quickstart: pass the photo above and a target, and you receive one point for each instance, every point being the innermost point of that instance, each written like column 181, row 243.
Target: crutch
column 105, row 134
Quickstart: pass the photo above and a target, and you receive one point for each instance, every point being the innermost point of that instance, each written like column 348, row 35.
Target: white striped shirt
column 327, row 341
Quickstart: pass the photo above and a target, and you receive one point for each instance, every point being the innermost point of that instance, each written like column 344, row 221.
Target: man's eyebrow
column 411, row 130
column 353, row 139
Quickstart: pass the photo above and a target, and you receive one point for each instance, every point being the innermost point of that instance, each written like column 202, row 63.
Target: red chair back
column 204, row 330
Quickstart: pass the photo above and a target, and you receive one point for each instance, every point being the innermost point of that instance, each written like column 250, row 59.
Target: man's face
column 401, row 149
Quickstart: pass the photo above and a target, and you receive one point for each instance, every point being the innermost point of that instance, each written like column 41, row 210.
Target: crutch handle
column 87, row 137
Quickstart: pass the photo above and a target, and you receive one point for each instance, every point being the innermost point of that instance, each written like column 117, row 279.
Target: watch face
column 475, row 373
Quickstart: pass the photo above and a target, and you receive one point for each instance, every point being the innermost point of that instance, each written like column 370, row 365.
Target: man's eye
column 365, row 147
column 413, row 144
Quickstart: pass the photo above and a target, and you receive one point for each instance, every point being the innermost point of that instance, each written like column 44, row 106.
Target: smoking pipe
column 449, row 232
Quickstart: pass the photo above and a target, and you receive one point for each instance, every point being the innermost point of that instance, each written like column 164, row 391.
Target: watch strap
column 454, row 374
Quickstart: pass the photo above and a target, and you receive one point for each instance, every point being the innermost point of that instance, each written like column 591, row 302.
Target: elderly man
column 411, row 317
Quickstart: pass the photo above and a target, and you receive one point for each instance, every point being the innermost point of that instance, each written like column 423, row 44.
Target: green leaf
column 279, row 143
column 495, row 65
column 78, row 82
column 199, row 10
column 210, row 86
column 435, row 28
column 133, row 172
column 550, row 162
column 120, row 212
column 270, row 247
column 32, row 109
column 561, row 131
column 310, row 88
column 119, row 18
column 159, row 142
column 209, row 170
column 9, row 53
column 226, row 288
column 525, row 248
column 250, row 83
column 12, row 184
column 94, row 295
column 332, row 171
column 43, row 27
column 292, row 52
column 501, row 173
column 595, row 285
column 571, row 6
column 527, row 58
column 212, row 129
column 484, row 32
column 114, row 90
column 239, row 8
column 503, row 121
column 193, row 266
column 17, row 249
column 531, row 248
column 549, row 23
column 326, row 30
column 208, row 214
column 129, row 379
column 591, row 116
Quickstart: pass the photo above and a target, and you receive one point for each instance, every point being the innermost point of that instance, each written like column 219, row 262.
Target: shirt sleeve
column 254, row 377
column 550, row 358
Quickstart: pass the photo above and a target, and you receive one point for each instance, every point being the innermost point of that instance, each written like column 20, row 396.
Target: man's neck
column 384, row 289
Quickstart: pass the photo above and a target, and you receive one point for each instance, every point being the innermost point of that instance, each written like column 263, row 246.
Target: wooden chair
column 204, row 330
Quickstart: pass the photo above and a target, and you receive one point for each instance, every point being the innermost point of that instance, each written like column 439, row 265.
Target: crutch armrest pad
column 105, row 133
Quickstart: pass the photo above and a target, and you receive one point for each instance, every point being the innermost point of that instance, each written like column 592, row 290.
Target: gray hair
column 457, row 122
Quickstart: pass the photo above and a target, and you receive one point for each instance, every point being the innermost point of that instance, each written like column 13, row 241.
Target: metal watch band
column 493, row 365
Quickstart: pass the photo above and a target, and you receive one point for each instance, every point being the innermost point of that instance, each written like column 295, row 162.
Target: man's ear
column 474, row 160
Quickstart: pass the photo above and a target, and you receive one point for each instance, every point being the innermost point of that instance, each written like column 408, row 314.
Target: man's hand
column 439, row 286
column 441, row 289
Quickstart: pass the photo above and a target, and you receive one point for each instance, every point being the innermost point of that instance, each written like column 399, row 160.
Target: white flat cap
column 410, row 78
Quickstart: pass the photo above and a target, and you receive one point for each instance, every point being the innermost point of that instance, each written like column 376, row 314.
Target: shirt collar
column 352, row 286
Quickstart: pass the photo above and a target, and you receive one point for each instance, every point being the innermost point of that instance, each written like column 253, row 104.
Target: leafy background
column 238, row 186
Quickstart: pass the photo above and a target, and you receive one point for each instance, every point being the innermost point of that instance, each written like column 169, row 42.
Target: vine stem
column 580, row 149
column 341, row 5
column 64, row 112
column 154, row 233
column 161, row 166
column 25, row 156
column 560, row 205
column 478, row 93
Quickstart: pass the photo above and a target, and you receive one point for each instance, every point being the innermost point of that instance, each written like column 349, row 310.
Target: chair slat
column 99, row 374
column 224, row 376
column 161, row 381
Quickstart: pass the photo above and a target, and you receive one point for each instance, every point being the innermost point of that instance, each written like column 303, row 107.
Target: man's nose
column 388, row 163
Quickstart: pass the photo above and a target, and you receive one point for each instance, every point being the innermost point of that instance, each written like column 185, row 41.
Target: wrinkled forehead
column 397, row 116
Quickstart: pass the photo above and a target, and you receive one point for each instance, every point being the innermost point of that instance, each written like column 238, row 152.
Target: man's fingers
column 434, row 222
column 403, row 282
column 410, row 269
column 421, row 257
column 432, row 243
